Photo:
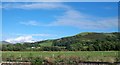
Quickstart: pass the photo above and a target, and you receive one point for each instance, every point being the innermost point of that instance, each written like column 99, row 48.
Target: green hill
column 45, row 43
column 86, row 41
column 90, row 41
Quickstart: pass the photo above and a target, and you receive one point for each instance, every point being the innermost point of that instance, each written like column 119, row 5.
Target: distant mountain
column 4, row 42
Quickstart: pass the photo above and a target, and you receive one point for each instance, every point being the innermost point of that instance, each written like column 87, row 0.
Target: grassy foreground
column 101, row 56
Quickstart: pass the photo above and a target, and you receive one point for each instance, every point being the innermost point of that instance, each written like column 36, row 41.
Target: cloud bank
column 70, row 17
column 27, row 38
column 20, row 39
column 79, row 20
column 31, row 6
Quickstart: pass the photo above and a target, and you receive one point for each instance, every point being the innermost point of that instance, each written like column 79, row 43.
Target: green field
column 46, row 43
column 106, row 56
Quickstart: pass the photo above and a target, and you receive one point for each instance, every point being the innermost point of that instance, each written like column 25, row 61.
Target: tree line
column 88, row 41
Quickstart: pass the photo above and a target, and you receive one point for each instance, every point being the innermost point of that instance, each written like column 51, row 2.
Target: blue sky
column 40, row 21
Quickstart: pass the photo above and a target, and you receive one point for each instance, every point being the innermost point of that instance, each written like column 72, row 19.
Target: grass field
column 47, row 43
column 106, row 56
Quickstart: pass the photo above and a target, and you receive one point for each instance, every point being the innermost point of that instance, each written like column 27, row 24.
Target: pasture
column 106, row 56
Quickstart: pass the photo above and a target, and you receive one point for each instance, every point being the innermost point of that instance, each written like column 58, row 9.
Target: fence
column 82, row 63
column 16, row 63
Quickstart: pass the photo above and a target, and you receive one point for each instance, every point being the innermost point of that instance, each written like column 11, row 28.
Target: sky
column 35, row 21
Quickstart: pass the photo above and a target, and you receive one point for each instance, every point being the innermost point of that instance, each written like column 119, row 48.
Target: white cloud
column 60, row 0
column 28, row 37
column 35, row 6
column 33, row 23
column 20, row 39
column 109, row 8
column 77, row 19
column 42, row 35
column 70, row 17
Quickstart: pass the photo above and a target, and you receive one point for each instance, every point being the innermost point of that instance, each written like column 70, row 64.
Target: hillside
column 4, row 42
column 90, row 41
column 86, row 41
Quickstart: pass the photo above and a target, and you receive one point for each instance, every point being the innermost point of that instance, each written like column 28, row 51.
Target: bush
column 37, row 61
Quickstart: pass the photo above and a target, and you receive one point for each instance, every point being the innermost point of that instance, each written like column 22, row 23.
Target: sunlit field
column 106, row 56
